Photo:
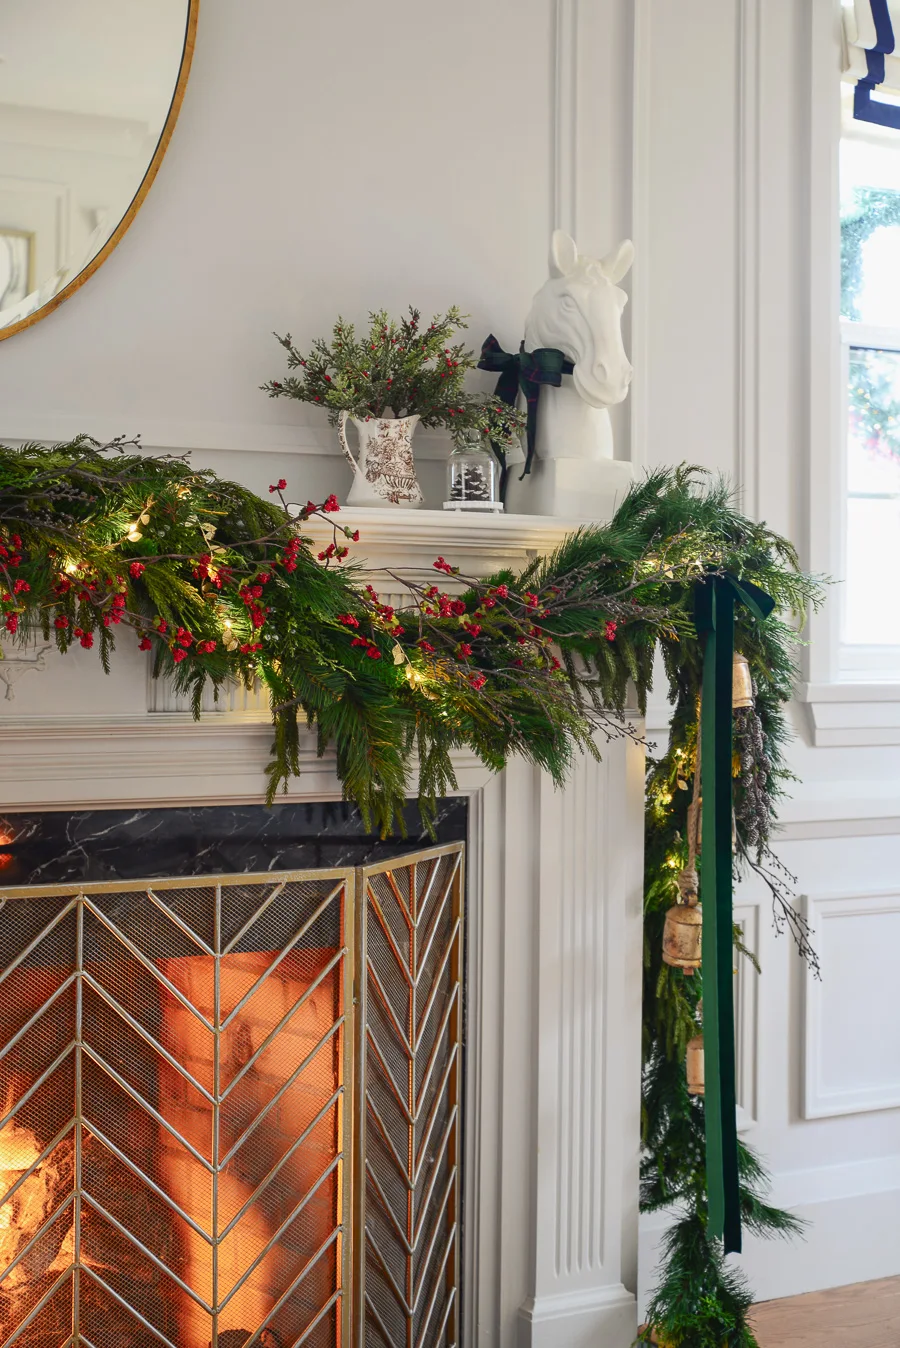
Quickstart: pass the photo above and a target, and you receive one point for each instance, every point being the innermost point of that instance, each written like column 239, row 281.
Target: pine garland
column 216, row 584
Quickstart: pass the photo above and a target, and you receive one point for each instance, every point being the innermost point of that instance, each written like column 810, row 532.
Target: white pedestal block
column 571, row 488
column 601, row 1319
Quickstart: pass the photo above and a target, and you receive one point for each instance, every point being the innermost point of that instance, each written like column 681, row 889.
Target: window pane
column 870, row 233
column 871, row 610
column 871, row 615
column 874, row 408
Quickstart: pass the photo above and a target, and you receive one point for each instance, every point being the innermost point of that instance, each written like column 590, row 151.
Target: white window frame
column 847, row 707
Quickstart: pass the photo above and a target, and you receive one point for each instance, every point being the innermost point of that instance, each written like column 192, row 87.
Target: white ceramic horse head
column 579, row 311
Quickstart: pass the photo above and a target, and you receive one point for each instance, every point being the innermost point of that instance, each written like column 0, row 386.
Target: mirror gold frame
column 190, row 37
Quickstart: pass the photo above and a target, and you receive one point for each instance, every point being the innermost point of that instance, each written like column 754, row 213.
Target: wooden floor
column 866, row 1315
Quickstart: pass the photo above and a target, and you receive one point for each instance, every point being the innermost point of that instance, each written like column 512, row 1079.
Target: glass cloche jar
column 472, row 475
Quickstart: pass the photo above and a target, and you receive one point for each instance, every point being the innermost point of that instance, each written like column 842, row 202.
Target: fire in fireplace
column 229, row 1110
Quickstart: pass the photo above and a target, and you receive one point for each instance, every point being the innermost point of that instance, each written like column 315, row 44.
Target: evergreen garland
column 218, row 584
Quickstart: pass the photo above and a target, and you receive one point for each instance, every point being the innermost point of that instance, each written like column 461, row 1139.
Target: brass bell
column 741, row 682
column 652, row 1339
column 695, row 1065
column 683, row 936
column 663, row 1343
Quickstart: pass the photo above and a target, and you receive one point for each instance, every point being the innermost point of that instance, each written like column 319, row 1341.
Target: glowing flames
column 18, row 1152
column 191, row 1116
column 32, row 1203
column 272, row 1069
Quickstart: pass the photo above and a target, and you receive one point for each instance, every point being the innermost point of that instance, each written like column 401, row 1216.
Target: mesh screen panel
column 411, row 1055
column 177, row 1108
column 173, row 1131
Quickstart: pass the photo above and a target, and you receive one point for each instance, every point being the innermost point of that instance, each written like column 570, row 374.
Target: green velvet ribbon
column 527, row 372
column 714, row 603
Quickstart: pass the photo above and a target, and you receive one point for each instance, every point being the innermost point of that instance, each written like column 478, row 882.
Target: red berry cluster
column 251, row 594
column 202, row 571
column 10, row 558
column 370, row 648
column 333, row 550
column 443, row 606
column 385, row 614
column 289, row 555
column 115, row 614
column 180, row 644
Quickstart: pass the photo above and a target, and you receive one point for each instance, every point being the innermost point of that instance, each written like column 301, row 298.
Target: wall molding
column 747, row 251
column 820, row 1102
column 639, row 308
column 852, row 714
column 824, row 459
column 564, row 189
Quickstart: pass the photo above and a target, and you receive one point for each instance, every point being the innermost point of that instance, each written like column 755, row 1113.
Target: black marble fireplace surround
column 139, row 1080
column 90, row 846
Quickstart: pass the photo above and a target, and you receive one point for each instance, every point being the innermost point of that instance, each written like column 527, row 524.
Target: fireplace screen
column 229, row 1110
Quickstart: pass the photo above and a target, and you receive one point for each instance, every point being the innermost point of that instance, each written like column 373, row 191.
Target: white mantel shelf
column 471, row 528
column 476, row 543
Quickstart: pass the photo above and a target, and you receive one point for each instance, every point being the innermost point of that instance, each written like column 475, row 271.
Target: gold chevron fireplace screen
column 230, row 1110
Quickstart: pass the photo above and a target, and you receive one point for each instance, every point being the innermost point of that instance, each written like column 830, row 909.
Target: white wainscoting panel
column 852, row 1047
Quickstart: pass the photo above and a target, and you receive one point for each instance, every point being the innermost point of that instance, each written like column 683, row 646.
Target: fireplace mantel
column 554, row 949
column 72, row 736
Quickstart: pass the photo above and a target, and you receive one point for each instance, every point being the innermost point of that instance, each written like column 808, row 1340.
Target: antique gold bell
column 741, row 682
column 695, row 1065
column 682, row 936
column 663, row 1343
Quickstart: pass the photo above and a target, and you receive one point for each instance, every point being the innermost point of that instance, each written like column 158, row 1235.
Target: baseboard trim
column 601, row 1317
column 851, row 1238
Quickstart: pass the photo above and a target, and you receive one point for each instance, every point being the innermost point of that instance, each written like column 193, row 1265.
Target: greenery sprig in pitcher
column 399, row 371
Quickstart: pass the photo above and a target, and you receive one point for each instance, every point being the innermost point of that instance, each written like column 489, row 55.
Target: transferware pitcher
column 385, row 473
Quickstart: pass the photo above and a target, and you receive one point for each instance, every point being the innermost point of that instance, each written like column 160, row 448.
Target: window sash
column 866, row 662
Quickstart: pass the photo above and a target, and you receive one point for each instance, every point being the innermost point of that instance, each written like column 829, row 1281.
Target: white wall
column 334, row 158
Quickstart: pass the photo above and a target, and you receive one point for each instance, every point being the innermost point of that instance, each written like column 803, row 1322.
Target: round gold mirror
column 89, row 94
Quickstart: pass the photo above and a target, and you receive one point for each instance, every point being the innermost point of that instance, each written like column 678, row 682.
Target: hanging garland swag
column 216, row 584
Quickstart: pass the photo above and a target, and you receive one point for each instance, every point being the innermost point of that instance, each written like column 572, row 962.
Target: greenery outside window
column 870, row 321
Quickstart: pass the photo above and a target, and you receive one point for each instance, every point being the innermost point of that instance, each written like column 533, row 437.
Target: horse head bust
column 579, row 311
